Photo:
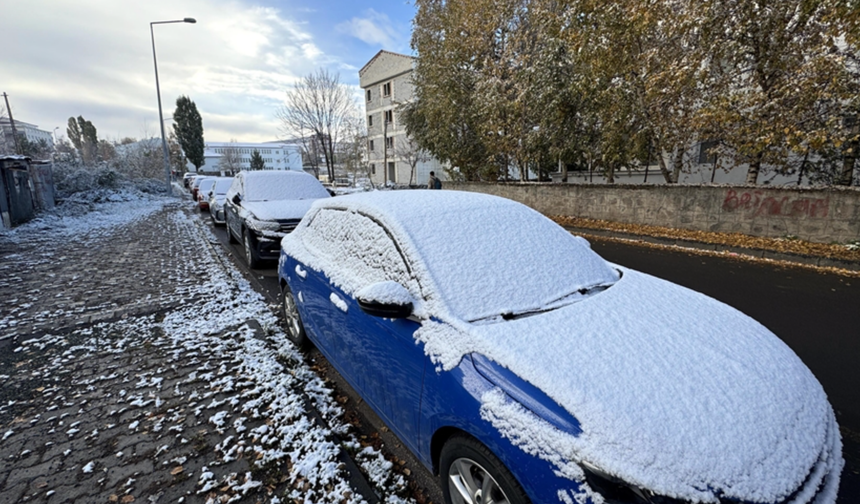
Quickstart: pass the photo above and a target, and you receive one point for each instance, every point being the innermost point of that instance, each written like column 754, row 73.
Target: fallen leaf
column 176, row 470
column 127, row 498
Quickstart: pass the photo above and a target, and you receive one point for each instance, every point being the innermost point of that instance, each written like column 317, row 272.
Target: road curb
column 824, row 262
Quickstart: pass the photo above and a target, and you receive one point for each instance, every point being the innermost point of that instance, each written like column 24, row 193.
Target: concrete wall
column 819, row 215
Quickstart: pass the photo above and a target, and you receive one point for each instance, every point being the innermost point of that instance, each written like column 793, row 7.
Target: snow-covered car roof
column 463, row 243
column 267, row 185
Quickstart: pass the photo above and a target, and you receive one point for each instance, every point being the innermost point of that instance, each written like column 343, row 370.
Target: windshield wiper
column 554, row 304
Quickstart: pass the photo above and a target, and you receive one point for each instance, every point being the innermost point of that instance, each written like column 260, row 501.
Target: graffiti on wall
column 756, row 203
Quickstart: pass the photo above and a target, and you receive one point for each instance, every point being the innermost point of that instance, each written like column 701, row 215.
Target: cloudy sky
column 94, row 58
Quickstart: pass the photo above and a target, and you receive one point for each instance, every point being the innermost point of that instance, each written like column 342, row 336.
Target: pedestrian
column 435, row 182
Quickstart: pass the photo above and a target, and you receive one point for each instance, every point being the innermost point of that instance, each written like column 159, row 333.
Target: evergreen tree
column 84, row 137
column 257, row 162
column 188, row 127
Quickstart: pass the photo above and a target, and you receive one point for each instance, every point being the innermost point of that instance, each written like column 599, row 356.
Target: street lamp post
column 158, row 94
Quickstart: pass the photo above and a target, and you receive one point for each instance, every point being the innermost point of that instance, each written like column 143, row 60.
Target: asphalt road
column 816, row 314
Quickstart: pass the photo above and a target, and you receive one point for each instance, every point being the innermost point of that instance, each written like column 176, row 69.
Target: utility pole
column 12, row 122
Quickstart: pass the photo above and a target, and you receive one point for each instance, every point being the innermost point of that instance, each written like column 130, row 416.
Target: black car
column 263, row 206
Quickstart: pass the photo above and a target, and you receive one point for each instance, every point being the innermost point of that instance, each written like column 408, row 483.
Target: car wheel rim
column 472, row 484
column 247, row 248
column 291, row 312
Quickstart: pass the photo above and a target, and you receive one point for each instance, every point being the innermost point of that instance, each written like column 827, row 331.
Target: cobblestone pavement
column 138, row 366
column 51, row 281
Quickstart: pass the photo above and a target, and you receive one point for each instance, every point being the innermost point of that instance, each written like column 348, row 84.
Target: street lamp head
column 190, row 20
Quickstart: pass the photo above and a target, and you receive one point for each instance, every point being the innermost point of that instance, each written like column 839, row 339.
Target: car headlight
column 262, row 226
column 616, row 491
column 526, row 394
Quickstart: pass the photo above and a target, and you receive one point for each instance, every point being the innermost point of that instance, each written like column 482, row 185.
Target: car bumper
column 268, row 244
column 217, row 215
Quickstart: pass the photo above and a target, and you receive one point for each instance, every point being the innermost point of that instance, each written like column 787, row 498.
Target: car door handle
column 300, row 272
column 337, row 301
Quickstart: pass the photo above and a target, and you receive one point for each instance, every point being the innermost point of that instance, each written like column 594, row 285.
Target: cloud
column 373, row 29
column 94, row 58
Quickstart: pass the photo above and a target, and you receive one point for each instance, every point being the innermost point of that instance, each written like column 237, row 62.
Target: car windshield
column 282, row 186
column 222, row 186
column 206, row 186
column 504, row 259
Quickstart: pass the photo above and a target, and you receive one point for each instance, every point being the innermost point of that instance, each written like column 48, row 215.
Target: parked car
column 195, row 184
column 520, row 366
column 203, row 190
column 261, row 207
column 216, row 199
column 187, row 178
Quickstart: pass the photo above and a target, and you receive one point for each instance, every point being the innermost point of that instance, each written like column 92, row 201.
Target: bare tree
column 318, row 105
column 408, row 150
column 310, row 151
column 353, row 152
column 230, row 162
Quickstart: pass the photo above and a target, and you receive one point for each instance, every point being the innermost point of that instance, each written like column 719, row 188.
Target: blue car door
column 388, row 366
column 377, row 356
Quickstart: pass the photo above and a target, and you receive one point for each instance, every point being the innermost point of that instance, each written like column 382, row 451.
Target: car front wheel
column 292, row 320
column 251, row 251
column 471, row 474
column 230, row 237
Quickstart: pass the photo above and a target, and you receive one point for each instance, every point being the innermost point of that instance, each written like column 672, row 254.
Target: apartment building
column 387, row 82
column 25, row 130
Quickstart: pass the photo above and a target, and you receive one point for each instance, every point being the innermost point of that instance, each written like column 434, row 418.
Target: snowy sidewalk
column 138, row 365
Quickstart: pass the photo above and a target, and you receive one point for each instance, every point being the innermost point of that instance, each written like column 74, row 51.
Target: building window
column 389, row 116
column 370, row 120
column 371, row 145
column 386, row 89
column 389, row 142
column 706, row 152
column 372, row 166
column 369, row 96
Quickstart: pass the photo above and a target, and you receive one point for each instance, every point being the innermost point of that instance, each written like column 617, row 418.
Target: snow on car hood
column 674, row 391
column 278, row 209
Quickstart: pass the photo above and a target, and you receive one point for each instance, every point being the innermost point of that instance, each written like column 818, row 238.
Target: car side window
column 234, row 188
column 354, row 243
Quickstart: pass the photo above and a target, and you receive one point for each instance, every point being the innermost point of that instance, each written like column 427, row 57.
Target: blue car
column 520, row 366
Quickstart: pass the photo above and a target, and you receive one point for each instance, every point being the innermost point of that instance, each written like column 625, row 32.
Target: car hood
column 674, row 391
column 278, row 209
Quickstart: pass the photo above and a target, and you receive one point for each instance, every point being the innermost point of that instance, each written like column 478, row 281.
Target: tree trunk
column 664, row 170
column 846, row 178
column 677, row 164
column 802, row 167
column 562, row 167
column 755, row 167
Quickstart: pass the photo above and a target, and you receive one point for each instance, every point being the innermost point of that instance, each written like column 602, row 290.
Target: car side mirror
column 385, row 299
column 237, row 199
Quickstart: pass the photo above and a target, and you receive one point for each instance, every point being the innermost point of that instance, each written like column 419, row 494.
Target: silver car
column 216, row 200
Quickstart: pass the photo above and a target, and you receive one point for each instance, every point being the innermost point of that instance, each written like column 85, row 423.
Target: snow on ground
column 224, row 402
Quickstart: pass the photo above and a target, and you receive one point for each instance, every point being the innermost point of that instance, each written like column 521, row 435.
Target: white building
column 276, row 155
column 25, row 130
column 387, row 82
